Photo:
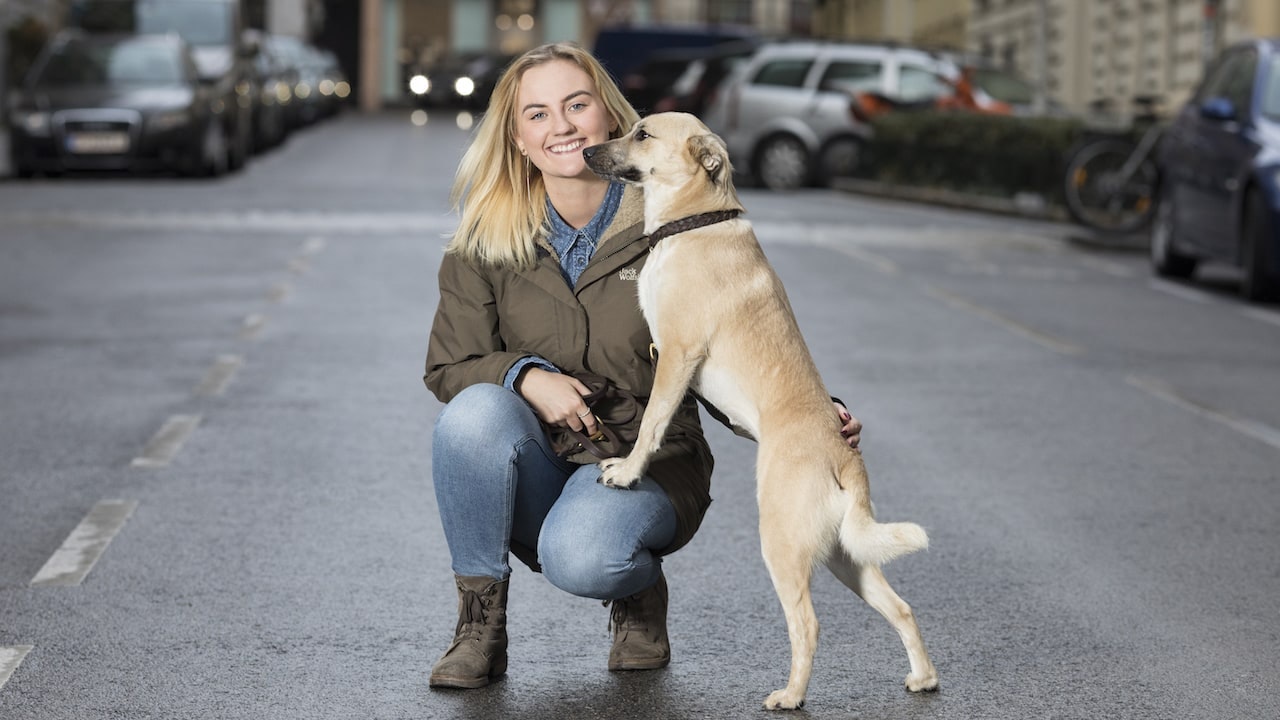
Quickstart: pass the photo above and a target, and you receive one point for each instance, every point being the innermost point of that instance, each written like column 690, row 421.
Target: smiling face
column 559, row 112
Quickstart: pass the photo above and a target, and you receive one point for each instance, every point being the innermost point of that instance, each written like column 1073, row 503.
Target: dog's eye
column 642, row 135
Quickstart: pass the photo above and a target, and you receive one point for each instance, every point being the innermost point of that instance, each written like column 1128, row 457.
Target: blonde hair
column 497, row 192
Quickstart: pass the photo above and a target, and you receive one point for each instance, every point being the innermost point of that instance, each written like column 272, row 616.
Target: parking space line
column 1054, row 344
column 1269, row 317
column 167, row 441
column 219, row 376
column 80, row 552
column 1252, row 428
column 10, row 659
column 279, row 292
column 1178, row 291
column 252, row 325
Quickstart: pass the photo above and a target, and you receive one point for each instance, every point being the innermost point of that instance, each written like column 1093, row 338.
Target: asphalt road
column 215, row 491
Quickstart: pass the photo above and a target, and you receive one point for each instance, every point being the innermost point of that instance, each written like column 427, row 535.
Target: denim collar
column 562, row 236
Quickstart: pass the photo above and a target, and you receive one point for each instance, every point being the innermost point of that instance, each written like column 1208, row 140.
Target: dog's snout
column 588, row 152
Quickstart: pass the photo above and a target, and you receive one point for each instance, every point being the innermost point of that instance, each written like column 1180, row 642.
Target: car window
column 1232, row 78
column 1271, row 93
column 784, row 73
column 917, row 83
column 853, row 75
column 102, row 64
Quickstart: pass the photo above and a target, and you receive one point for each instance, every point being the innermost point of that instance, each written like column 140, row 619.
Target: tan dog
column 723, row 327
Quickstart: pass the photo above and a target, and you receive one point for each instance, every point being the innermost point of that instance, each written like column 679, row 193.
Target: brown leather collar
column 690, row 223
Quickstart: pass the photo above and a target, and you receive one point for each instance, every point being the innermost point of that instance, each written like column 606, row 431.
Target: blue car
column 1220, row 173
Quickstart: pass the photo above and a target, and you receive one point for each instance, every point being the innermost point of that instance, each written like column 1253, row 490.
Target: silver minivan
column 786, row 113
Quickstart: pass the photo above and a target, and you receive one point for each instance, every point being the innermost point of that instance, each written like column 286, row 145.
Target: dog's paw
column 923, row 682
column 618, row 473
column 783, row 700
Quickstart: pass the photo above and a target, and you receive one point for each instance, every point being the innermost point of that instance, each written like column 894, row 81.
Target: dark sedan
column 1220, row 173
column 116, row 102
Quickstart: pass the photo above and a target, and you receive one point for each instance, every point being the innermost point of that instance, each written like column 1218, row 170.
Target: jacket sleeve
column 465, row 346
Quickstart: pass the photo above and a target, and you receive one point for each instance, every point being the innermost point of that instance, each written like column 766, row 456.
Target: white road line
column 299, row 265
column 1057, row 345
column 167, row 441
column 1269, row 317
column 1252, row 428
column 313, row 245
column 219, row 376
column 82, row 548
column 279, row 292
column 252, row 325
column 10, row 659
column 1179, row 291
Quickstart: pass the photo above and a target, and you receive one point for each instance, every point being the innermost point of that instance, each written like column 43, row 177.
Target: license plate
column 98, row 143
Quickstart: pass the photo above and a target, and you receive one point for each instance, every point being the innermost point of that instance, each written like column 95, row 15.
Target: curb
column 1029, row 206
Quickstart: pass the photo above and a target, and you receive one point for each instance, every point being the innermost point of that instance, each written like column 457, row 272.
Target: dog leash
column 692, row 222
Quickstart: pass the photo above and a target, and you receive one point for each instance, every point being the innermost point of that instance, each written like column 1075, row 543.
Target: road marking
column 10, row 659
column 1178, row 291
column 252, row 326
column 313, row 245
column 219, row 376
column 167, row 441
column 1252, row 428
column 1267, row 316
column 1057, row 345
column 299, row 265
column 279, row 292
column 86, row 543
column 415, row 224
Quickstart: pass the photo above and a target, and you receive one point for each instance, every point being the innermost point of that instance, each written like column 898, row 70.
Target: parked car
column 788, row 113
column 621, row 50
column 652, row 80
column 272, row 93
column 117, row 102
column 696, row 87
column 464, row 80
column 213, row 29
column 1219, row 163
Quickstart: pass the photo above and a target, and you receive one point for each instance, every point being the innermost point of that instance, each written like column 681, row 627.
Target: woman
column 538, row 284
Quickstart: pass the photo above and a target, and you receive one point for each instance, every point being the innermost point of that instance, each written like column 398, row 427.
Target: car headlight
column 420, row 84
column 465, row 86
column 169, row 120
column 33, row 123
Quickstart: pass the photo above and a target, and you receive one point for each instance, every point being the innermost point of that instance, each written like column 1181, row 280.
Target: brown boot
column 479, row 650
column 639, row 624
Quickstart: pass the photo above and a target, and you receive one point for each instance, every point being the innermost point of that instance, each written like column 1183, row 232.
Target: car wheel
column 840, row 158
column 1165, row 258
column 1258, row 250
column 783, row 163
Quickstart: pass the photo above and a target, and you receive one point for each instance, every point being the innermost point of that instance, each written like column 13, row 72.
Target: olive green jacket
column 490, row 317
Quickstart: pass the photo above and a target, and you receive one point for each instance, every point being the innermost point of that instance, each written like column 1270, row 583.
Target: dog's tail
column 871, row 543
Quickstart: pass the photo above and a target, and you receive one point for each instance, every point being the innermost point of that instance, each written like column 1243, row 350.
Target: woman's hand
column 851, row 431
column 557, row 399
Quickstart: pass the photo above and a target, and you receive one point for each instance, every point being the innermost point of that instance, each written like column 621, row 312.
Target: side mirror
column 1218, row 108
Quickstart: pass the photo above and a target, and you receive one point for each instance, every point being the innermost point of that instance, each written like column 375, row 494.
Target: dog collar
column 692, row 222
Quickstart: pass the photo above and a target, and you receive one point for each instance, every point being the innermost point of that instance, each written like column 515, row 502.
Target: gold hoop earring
column 528, row 191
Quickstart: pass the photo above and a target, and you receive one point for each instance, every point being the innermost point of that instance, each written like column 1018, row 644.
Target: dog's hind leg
column 789, row 559
column 670, row 383
column 869, row 583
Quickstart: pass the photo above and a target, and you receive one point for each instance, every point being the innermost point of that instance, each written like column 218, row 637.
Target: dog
column 722, row 326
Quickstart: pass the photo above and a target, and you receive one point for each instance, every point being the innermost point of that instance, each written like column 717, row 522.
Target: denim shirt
column 575, row 246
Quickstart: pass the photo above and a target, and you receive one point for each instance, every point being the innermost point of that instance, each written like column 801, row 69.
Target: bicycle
column 1111, row 182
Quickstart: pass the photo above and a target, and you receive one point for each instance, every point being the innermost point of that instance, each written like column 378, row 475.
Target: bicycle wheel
column 1099, row 196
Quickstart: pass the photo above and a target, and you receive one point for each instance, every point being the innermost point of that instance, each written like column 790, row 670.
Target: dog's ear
column 710, row 152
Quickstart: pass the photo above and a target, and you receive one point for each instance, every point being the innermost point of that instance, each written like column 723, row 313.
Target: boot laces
column 473, row 616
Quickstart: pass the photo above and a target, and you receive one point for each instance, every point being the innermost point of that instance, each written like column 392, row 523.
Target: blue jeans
column 497, row 480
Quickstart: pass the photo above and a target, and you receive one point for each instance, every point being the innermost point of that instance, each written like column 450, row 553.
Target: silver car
column 786, row 113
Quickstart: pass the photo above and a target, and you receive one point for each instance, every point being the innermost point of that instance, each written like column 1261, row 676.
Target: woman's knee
column 596, row 568
column 476, row 416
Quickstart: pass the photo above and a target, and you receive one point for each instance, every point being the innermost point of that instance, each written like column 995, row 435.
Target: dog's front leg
column 670, row 383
